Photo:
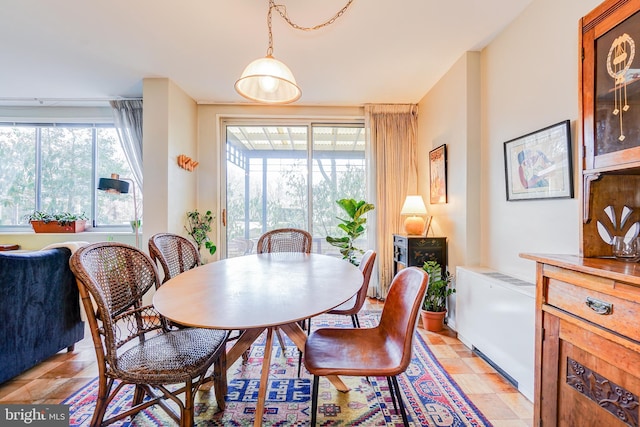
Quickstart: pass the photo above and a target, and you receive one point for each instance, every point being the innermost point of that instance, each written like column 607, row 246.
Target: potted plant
column 353, row 227
column 64, row 222
column 434, row 304
column 198, row 226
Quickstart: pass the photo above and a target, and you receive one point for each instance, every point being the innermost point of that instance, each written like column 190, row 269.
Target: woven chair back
column 115, row 276
column 176, row 254
column 285, row 240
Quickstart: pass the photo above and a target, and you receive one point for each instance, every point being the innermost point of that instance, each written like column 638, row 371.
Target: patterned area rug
column 432, row 397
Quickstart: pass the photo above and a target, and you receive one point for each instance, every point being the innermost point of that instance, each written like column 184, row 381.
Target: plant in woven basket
column 199, row 226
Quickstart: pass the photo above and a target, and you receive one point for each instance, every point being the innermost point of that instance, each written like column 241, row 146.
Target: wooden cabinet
column 587, row 342
column 413, row 251
column 609, row 120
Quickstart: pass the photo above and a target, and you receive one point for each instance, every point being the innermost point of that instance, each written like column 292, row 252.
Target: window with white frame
column 290, row 174
column 54, row 167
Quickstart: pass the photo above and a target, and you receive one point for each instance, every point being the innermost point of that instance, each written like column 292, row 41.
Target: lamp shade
column 413, row 205
column 268, row 80
column 113, row 185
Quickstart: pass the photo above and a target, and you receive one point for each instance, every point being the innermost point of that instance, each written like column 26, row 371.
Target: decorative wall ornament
column 619, row 60
column 187, row 163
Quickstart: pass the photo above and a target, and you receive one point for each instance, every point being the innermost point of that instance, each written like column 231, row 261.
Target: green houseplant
column 63, row 222
column 199, row 226
column 353, row 227
column 434, row 304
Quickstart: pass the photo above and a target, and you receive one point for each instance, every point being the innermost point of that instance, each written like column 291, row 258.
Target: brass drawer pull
column 598, row 306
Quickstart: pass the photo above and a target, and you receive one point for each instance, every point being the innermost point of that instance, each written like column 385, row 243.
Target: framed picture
column 438, row 175
column 538, row 165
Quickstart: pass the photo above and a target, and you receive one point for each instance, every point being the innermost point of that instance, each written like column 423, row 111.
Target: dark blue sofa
column 39, row 308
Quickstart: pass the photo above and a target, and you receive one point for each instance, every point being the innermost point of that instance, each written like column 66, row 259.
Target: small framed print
column 438, row 175
column 538, row 165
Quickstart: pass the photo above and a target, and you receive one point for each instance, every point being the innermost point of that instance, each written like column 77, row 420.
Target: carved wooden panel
column 610, row 190
column 615, row 399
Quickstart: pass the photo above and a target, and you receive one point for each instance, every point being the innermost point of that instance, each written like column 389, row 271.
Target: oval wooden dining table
column 258, row 293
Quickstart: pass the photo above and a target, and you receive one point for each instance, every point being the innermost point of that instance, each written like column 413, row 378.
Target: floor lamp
column 117, row 185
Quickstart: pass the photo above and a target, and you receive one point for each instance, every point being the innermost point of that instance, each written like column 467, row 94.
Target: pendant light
column 268, row 80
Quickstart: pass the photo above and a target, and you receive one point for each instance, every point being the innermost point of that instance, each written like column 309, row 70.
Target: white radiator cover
column 495, row 314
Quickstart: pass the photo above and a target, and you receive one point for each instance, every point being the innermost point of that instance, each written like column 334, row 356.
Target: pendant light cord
column 282, row 10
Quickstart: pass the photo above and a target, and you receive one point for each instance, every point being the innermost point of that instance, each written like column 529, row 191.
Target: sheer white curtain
column 127, row 116
column 392, row 133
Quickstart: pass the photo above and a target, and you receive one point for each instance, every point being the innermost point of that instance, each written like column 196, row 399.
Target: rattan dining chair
column 286, row 240
column 352, row 306
column 174, row 253
column 177, row 254
column 383, row 350
column 132, row 342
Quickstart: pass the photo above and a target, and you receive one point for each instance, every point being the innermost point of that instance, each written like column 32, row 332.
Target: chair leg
column 220, row 380
column 104, row 387
column 314, row 399
column 281, row 340
column 403, row 412
column 393, row 395
column 187, row 415
column 304, row 324
column 355, row 320
column 138, row 395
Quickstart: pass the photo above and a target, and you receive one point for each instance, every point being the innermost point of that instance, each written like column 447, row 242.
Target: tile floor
column 58, row 377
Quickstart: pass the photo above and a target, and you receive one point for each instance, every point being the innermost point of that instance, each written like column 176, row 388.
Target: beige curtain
column 392, row 133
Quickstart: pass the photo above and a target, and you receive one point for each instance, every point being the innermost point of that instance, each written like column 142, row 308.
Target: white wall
column 183, row 139
column 169, row 129
column 528, row 80
column 450, row 114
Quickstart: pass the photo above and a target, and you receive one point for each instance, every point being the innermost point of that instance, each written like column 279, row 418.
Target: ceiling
column 379, row 51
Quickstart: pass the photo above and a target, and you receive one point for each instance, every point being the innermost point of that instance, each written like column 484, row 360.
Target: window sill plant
column 65, row 222
column 434, row 304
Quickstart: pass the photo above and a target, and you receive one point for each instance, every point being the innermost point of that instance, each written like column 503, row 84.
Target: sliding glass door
column 290, row 175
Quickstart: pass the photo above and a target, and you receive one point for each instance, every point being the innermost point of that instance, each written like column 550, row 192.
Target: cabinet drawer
column 399, row 241
column 610, row 312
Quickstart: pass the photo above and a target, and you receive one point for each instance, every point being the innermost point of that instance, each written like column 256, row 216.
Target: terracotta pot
column 53, row 227
column 433, row 320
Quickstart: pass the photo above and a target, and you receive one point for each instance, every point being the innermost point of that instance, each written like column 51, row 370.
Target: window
column 55, row 167
column 290, row 175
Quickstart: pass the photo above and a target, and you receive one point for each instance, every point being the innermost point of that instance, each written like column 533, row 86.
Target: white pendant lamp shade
column 268, row 80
